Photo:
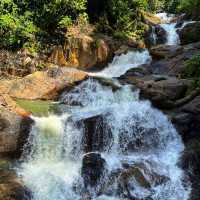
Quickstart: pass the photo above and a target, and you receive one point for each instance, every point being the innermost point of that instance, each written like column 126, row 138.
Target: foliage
column 190, row 7
column 30, row 23
column 171, row 5
column 47, row 14
column 22, row 22
column 15, row 29
column 192, row 70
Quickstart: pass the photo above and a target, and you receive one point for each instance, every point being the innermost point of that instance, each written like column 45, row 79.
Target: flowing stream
column 170, row 28
column 132, row 147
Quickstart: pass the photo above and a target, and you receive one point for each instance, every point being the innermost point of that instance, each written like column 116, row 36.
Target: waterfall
column 122, row 63
column 153, row 35
column 105, row 144
column 170, row 28
column 133, row 134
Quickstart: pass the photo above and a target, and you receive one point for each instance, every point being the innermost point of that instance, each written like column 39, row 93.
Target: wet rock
column 93, row 169
column 143, row 175
column 193, row 106
column 171, row 60
column 140, row 139
column 187, row 120
column 191, row 164
column 12, row 188
column 190, row 33
column 140, row 71
column 42, row 85
column 165, row 51
column 9, row 131
column 122, row 182
column 163, row 92
column 179, row 20
column 161, row 35
column 97, row 136
column 155, row 35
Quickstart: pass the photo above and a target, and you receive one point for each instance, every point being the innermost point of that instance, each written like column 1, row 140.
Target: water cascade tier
column 170, row 28
column 122, row 63
column 106, row 143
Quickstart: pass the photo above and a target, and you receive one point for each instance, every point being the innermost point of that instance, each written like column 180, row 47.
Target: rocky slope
column 161, row 83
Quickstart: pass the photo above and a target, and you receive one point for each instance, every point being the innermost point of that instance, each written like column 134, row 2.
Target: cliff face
column 83, row 52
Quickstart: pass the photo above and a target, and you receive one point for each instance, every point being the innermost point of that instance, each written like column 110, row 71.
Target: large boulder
column 11, row 187
column 187, row 119
column 42, row 85
column 82, row 51
column 14, row 131
column 150, row 19
column 144, row 176
column 137, row 175
column 97, row 135
column 93, row 169
column 165, row 51
column 161, row 34
column 171, row 60
column 161, row 90
column 191, row 164
column 190, row 33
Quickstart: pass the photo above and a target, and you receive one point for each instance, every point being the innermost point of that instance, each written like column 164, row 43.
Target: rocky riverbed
column 159, row 81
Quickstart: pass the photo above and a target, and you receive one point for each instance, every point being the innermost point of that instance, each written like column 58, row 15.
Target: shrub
column 192, row 70
column 22, row 22
column 15, row 29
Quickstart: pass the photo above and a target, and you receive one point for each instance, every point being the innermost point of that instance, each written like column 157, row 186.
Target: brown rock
column 42, row 85
column 190, row 33
column 14, row 131
column 151, row 19
column 9, row 131
column 11, row 187
column 165, row 51
column 143, row 175
column 57, row 56
column 10, row 104
column 161, row 90
column 173, row 63
column 83, row 52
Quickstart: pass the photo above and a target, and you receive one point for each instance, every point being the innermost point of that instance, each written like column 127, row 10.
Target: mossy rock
column 5, row 163
column 37, row 107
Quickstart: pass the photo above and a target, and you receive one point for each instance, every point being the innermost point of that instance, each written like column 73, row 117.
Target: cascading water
column 170, row 28
column 122, row 63
column 134, row 146
column 134, row 136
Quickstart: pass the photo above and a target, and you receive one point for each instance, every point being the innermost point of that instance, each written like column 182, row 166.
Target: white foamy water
column 52, row 170
column 170, row 28
column 128, row 132
column 122, row 63
column 172, row 35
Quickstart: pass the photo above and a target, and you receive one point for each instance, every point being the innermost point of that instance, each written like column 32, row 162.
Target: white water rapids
column 170, row 28
column 131, row 132
column 122, row 63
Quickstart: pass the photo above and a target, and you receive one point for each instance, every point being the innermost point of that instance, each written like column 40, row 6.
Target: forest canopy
column 26, row 23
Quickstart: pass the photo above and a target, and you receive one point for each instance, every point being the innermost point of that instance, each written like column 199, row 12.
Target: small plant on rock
column 192, row 70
